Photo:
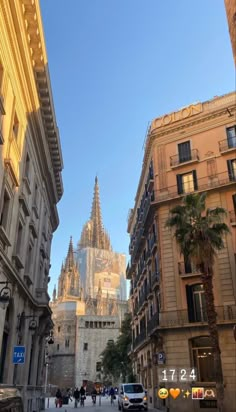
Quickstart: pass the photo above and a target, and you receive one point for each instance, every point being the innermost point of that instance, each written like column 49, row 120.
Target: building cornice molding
column 37, row 51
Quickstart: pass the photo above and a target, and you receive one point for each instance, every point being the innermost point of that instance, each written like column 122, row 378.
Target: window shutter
column 230, row 170
column 234, row 201
column 179, row 184
column 195, row 180
column 189, row 295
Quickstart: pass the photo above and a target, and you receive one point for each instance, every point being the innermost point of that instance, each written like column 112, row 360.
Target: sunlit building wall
column 187, row 151
column 30, row 187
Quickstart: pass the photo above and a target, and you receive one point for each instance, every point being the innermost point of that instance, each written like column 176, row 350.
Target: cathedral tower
column 69, row 279
column 93, row 233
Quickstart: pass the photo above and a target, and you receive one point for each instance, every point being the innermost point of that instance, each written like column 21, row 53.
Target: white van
column 132, row 396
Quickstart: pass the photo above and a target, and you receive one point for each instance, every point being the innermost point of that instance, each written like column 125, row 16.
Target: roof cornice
column 37, row 51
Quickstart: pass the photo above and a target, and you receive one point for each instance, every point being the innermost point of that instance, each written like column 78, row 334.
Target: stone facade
column 30, row 187
column 190, row 150
column 89, row 306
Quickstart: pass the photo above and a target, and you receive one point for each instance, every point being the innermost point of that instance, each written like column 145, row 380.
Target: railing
column 155, row 278
column 188, row 157
column 227, row 144
column 184, row 318
column 153, row 323
column 204, row 184
column 187, row 268
column 232, row 216
column 140, row 338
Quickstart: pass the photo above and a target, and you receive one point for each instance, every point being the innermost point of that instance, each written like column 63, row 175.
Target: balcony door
column 184, row 152
column 196, row 303
column 231, row 136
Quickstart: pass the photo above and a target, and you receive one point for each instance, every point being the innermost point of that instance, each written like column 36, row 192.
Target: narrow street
column 89, row 407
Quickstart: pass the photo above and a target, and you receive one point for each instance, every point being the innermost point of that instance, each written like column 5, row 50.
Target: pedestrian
column 58, row 400
column 112, row 395
column 82, row 395
column 76, row 395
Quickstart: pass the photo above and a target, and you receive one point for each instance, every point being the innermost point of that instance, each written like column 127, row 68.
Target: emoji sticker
column 163, row 393
column 174, row 392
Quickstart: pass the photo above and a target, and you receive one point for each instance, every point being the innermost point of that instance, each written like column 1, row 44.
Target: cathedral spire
column 96, row 218
column 70, row 256
column 93, row 234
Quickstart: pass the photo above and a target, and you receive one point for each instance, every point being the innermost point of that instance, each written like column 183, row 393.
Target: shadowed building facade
column 89, row 305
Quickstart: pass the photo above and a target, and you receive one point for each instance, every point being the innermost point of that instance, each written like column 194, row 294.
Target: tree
column 115, row 359
column 199, row 233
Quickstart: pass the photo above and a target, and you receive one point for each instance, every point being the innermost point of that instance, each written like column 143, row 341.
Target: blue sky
column 114, row 66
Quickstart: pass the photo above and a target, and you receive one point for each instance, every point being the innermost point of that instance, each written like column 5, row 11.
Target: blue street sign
column 161, row 358
column 18, row 354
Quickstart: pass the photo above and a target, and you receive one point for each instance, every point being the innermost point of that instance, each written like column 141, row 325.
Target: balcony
column 140, row 338
column 153, row 324
column 187, row 269
column 191, row 157
column 232, row 217
column 181, row 318
column 227, row 144
column 204, row 184
column 155, row 279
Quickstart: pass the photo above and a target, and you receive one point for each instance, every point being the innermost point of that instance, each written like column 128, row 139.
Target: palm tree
column 199, row 233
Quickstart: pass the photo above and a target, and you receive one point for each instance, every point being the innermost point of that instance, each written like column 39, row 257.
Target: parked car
column 132, row 396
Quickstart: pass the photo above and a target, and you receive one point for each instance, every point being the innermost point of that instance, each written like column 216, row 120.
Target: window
column 203, row 359
column 29, row 259
column 232, row 169
column 15, row 126
column 86, row 324
column 98, row 366
column 19, row 239
column 187, row 182
column 69, row 329
column 27, row 166
column 196, row 303
column 58, row 346
column 231, row 136
column 5, row 210
column 184, row 151
column 85, row 346
column 67, row 343
column 234, row 201
column 58, row 329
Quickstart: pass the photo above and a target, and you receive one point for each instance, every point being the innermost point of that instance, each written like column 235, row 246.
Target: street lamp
column 5, row 294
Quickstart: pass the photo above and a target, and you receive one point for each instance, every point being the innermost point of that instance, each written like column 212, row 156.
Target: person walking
column 94, row 395
column 76, row 395
column 82, row 395
column 112, row 395
column 58, row 400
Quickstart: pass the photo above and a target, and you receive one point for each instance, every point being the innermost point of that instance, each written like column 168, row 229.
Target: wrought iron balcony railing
column 153, row 323
column 204, row 184
column 187, row 318
column 227, row 144
column 187, row 268
column 176, row 160
column 140, row 338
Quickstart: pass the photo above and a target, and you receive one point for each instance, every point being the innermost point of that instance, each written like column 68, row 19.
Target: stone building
column 30, row 187
column 190, row 150
column 89, row 305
